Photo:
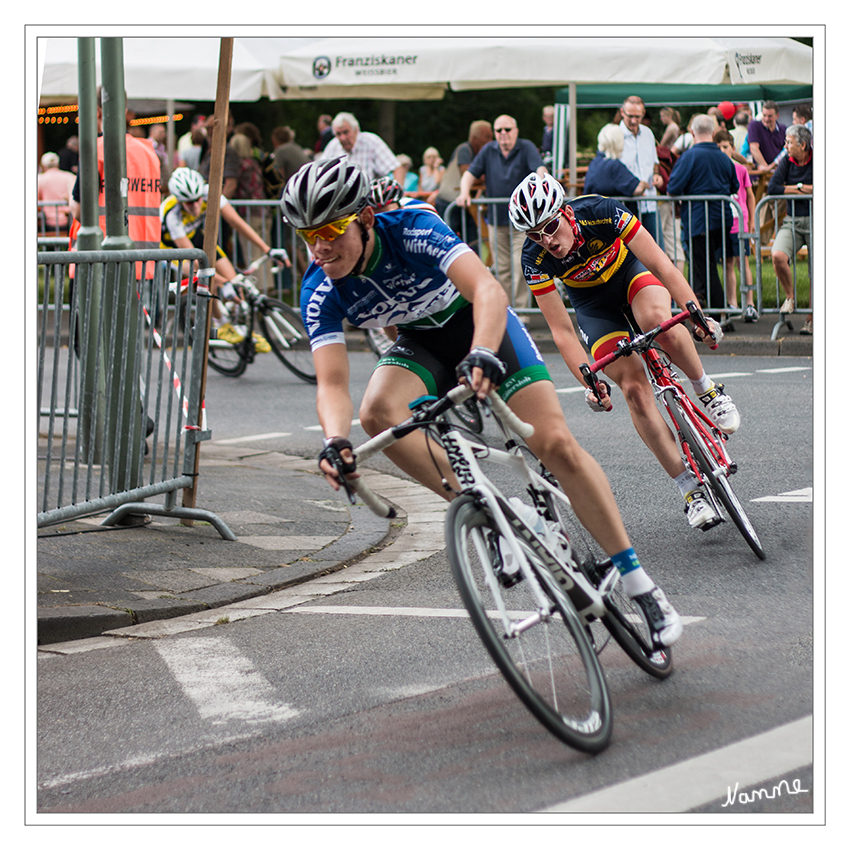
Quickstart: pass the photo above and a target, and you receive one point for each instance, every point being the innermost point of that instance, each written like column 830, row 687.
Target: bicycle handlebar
column 642, row 341
column 423, row 414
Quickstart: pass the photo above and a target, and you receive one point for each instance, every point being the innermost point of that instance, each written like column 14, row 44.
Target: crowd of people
column 629, row 163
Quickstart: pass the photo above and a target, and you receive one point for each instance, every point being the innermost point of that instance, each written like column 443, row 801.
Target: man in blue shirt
column 704, row 169
column 504, row 163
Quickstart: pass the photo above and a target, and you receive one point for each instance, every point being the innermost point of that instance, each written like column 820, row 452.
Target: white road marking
column 319, row 427
column 804, row 495
column 731, row 375
column 697, row 781
column 786, row 369
column 382, row 611
column 254, row 437
column 221, row 682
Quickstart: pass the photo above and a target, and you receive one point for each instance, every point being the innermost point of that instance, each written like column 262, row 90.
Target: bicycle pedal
column 711, row 523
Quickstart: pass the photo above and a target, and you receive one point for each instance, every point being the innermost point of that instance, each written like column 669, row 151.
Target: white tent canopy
column 421, row 68
column 173, row 68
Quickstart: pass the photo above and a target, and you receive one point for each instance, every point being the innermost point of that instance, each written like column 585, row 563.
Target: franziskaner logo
column 321, row 67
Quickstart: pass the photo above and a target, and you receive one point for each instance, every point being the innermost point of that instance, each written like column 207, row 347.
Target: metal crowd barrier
column 264, row 216
column 771, row 208
column 678, row 252
column 121, row 416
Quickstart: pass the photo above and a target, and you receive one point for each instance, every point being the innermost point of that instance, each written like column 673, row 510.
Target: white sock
column 636, row 582
column 686, row 482
column 702, row 385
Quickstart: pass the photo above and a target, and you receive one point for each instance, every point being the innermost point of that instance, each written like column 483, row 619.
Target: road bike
column 702, row 444
column 254, row 312
column 545, row 620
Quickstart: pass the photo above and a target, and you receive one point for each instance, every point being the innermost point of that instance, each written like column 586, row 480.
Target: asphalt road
column 342, row 709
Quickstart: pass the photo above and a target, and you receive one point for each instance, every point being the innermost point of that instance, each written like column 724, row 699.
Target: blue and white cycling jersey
column 404, row 282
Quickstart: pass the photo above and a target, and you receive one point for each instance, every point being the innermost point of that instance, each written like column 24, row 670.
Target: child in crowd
column 747, row 200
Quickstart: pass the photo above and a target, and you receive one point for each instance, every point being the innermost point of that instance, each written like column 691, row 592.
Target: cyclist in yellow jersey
column 182, row 215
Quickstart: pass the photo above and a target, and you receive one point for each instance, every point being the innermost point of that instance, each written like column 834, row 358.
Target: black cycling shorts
column 435, row 354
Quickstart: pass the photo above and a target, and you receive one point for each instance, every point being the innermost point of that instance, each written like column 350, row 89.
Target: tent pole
column 217, row 144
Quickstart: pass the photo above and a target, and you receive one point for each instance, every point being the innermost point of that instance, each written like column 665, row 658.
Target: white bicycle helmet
column 535, row 201
column 186, row 184
column 324, row 191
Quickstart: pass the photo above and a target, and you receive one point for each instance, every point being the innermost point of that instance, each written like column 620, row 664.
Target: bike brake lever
column 698, row 318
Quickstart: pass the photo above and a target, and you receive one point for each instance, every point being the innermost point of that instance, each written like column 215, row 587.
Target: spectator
column 480, row 132
column 190, row 157
column 69, row 156
column 232, row 163
column 55, row 185
column 793, row 176
column 368, row 150
column 671, row 120
column 606, row 174
column 802, row 114
column 156, row 136
column 747, row 200
column 547, row 143
column 143, row 196
column 739, row 133
column 249, row 187
column 766, row 136
column 326, row 133
column 410, row 179
column 288, row 156
column 640, row 157
column 667, row 214
column 187, row 140
column 504, row 163
column 704, row 170
column 431, row 172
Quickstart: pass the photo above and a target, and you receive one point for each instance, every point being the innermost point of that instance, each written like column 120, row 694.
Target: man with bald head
column 504, row 163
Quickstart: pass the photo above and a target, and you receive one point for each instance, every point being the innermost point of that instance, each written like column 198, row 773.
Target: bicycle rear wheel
column 288, row 338
column 626, row 625
column 716, row 474
column 545, row 655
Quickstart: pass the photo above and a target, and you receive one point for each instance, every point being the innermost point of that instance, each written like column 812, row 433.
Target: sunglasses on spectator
column 550, row 229
column 499, row 130
column 327, row 232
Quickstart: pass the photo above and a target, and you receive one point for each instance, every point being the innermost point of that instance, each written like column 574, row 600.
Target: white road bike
column 544, row 624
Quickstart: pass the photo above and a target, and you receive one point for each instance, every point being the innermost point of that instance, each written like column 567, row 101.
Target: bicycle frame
column 463, row 455
column 669, row 390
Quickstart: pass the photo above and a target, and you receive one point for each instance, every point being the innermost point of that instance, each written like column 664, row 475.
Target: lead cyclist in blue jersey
column 408, row 268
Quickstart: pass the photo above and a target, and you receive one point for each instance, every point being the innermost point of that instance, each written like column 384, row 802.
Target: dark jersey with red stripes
column 602, row 228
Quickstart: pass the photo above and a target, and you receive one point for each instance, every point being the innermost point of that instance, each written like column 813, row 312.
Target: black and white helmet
column 324, row 191
column 186, row 184
column 383, row 191
column 535, row 201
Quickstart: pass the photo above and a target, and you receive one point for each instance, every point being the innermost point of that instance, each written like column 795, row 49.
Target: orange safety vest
column 144, row 195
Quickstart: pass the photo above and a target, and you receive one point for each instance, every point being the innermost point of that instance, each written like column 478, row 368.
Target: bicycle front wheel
column 288, row 338
column 541, row 649
column 716, row 475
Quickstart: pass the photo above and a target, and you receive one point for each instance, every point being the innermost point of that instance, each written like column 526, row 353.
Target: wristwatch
column 799, row 187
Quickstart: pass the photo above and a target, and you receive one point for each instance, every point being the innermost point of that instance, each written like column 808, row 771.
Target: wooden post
column 217, row 145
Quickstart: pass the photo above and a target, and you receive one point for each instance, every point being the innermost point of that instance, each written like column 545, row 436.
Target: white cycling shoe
column 665, row 625
column 720, row 409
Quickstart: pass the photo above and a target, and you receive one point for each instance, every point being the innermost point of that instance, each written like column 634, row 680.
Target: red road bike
column 702, row 444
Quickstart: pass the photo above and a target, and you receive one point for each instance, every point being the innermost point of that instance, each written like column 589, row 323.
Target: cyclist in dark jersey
column 607, row 263
column 408, row 268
